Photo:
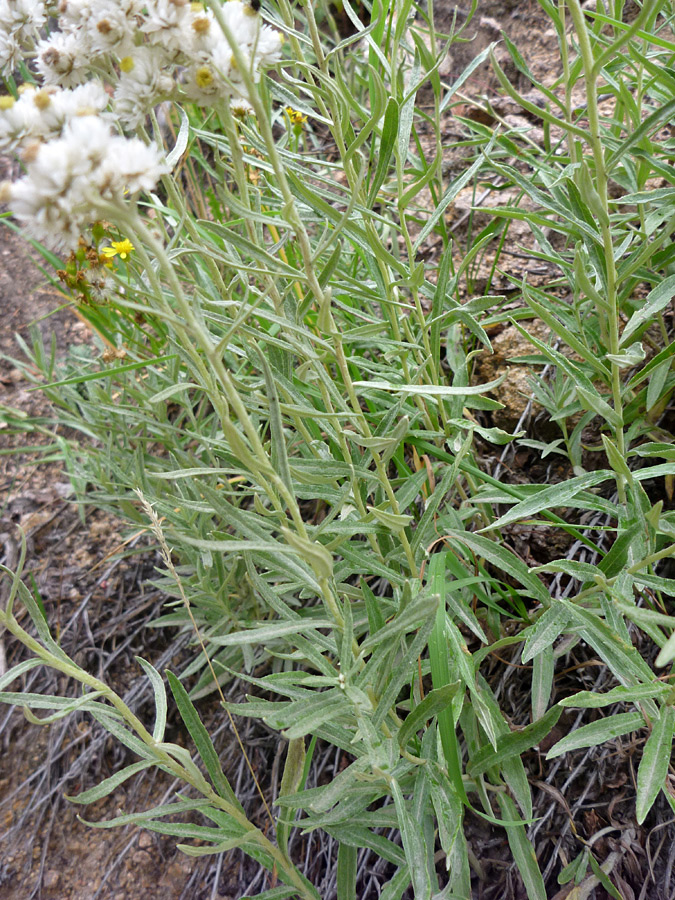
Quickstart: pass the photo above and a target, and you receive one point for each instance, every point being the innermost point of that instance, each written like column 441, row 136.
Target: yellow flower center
column 204, row 77
column 201, row 25
column 127, row 63
column 6, row 101
column 41, row 99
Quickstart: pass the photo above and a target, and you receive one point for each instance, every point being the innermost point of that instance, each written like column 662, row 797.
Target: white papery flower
column 61, row 106
column 64, row 59
column 19, row 24
column 269, row 46
column 211, row 71
column 145, row 81
column 111, row 26
column 241, row 108
column 73, row 14
column 41, row 114
column 67, row 177
column 167, row 23
column 10, row 53
column 102, row 285
column 202, row 32
column 130, row 167
column 23, row 17
column 265, row 51
column 242, row 21
column 19, row 121
column 203, row 83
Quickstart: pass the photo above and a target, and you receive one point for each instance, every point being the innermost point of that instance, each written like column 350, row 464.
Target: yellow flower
column 296, row 117
column 119, row 248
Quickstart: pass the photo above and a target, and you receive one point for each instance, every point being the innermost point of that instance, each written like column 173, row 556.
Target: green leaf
column 413, row 844
column 666, row 354
column 453, row 189
column 409, row 619
column 315, row 714
column 387, row 144
column 431, row 390
column 181, row 141
column 277, row 893
column 291, row 780
column 653, row 768
column 147, row 817
column 667, row 652
column 598, row 732
column 268, row 633
column 394, row 888
column 637, row 694
column 580, row 570
column 18, row 670
column 106, row 373
column 523, row 851
column 568, row 336
column 513, row 744
column 434, row 702
column 543, row 668
column 110, row 784
column 279, row 456
column 203, row 742
column 655, row 301
column 602, row 877
column 590, row 195
column 556, row 495
column 584, row 386
column 649, row 124
column 500, row 556
column 625, row 662
column 440, row 672
column 160, row 698
column 63, row 705
column 346, row 872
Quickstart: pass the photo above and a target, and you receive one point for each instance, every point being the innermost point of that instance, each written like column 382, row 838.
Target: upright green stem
column 591, row 74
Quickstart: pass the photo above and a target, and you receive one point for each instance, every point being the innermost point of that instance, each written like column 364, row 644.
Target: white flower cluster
column 69, row 179
column 41, row 114
column 20, row 21
column 110, row 61
column 148, row 50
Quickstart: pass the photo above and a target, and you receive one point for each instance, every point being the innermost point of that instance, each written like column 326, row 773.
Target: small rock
column 145, row 840
column 51, row 878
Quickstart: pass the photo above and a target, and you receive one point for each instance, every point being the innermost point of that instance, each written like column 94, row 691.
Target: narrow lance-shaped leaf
column 561, row 494
column 523, row 851
column 440, row 675
column 160, row 698
column 203, row 742
column 346, row 872
column 387, row 144
column 597, row 733
column 514, row 744
column 653, row 768
column 413, row 844
column 110, row 784
column 290, row 782
column 433, row 704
